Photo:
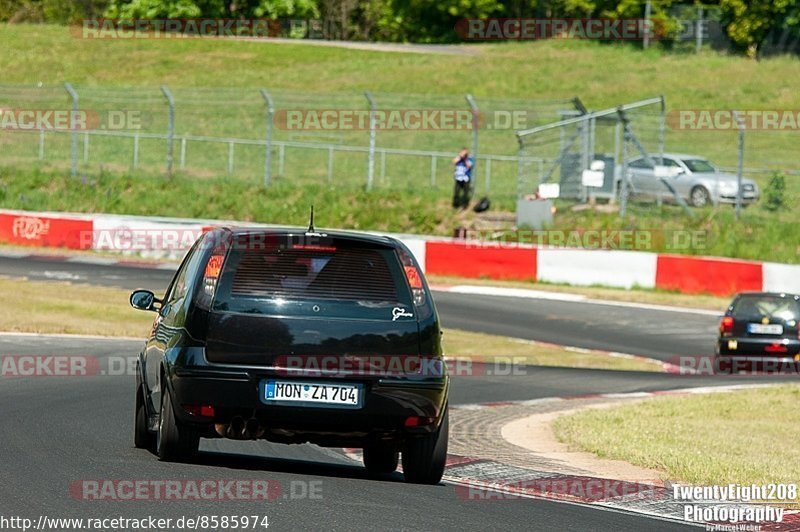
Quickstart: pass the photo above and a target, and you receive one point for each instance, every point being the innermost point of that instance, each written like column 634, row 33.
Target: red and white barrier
column 169, row 238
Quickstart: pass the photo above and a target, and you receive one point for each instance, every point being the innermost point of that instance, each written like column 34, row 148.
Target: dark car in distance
column 760, row 330
column 296, row 336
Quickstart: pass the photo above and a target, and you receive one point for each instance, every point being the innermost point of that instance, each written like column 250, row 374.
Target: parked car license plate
column 311, row 393
column 760, row 328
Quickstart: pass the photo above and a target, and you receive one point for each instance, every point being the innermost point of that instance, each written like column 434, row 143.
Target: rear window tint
column 338, row 277
column 349, row 274
column 757, row 307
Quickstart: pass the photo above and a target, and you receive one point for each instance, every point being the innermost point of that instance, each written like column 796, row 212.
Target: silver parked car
column 693, row 177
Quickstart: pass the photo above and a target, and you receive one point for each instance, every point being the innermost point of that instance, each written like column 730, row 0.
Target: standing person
column 463, row 173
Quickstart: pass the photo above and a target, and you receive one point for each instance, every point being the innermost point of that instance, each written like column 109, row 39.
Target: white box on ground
column 592, row 178
column 549, row 190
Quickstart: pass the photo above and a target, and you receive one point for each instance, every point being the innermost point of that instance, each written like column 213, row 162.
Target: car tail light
column 418, row 421
column 213, row 270
column 200, row 410
column 726, row 326
column 414, row 278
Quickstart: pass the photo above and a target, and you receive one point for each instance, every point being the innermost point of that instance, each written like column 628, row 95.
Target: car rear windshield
column 343, row 277
column 756, row 307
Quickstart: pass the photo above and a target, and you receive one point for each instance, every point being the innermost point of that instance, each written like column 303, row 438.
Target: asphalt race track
column 61, row 431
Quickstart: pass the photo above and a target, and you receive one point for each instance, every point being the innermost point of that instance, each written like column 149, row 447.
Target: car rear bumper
column 386, row 405
column 743, row 347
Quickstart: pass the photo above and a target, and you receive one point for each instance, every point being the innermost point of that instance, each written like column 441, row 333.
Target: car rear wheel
column 424, row 458
column 174, row 441
column 380, row 459
column 142, row 438
column 699, row 197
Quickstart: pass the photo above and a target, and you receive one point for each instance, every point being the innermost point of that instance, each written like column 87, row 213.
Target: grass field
column 215, row 85
column 744, row 437
column 65, row 308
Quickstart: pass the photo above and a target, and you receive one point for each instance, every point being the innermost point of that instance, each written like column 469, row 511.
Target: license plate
column 760, row 328
column 311, row 394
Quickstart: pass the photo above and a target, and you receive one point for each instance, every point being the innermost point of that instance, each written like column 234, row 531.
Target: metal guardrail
column 280, row 146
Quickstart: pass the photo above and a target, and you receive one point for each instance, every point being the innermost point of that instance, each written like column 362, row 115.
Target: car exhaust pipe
column 252, row 429
column 236, row 428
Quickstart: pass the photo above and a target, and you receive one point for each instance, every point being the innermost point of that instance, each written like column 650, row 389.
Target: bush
column 775, row 192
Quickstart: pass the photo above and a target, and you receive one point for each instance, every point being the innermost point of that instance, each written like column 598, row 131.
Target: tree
column 750, row 22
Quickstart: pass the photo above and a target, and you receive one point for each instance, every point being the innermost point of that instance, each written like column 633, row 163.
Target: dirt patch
column 535, row 434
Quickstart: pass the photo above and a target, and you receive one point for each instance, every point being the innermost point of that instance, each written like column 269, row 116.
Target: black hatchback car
column 296, row 336
column 760, row 328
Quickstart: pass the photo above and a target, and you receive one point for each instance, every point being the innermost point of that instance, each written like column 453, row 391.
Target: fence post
column 646, row 37
column 433, row 170
column 473, row 106
column 170, row 127
column 135, row 150
column 85, row 146
column 625, row 181
column 740, row 167
column 698, row 45
column 281, row 158
column 372, row 133
column 73, row 126
column 183, row 153
column 270, row 123
column 230, row 158
column 41, row 144
column 488, row 175
column 521, row 166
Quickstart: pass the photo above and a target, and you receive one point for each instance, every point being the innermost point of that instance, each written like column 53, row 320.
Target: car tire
column 424, row 457
column 142, row 437
column 380, row 459
column 699, row 196
column 174, row 440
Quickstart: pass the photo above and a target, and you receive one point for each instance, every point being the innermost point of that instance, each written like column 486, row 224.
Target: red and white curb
column 157, row 237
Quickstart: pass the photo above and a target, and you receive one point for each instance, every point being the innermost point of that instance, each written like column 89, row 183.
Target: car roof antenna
column 311, row 221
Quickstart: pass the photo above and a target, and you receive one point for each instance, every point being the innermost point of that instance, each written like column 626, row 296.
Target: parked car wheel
column 174, row 441
column 424, row 457
column 699, row 197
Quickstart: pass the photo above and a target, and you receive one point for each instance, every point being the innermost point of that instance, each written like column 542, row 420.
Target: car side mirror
column 145, row 300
